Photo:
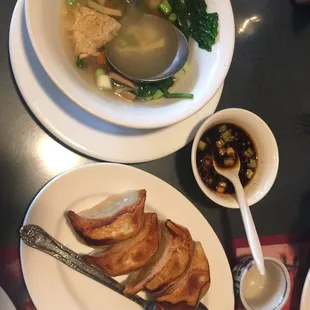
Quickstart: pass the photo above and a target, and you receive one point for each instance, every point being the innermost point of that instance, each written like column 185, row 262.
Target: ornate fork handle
column 36, row 237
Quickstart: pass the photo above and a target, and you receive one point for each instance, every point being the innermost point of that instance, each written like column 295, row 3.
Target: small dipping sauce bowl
column 257, row 292
column 267, row 155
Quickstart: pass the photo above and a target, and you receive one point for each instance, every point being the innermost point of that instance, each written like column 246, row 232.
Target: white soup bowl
column 205, row 76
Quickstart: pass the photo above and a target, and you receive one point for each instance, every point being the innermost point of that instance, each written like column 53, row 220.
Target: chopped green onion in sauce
column 225, row 142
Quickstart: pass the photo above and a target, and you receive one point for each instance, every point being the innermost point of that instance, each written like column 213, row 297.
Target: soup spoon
column 178, row 62
column 232, row 174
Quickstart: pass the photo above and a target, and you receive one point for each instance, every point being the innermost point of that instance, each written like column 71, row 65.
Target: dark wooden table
column 269, row 75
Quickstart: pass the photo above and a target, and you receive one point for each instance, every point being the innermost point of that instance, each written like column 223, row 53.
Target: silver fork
column 36, row 237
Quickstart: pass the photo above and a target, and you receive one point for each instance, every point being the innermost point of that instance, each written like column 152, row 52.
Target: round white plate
column 80, row 130
column 53, row 285
column 305, row 297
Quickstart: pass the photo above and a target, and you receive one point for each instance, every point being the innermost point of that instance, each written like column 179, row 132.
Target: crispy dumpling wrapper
column 187, row 292
column 169, row 263
column 117, row 218
column 131, row 254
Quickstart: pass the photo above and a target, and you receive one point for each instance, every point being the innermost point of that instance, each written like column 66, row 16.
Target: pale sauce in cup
column 257, row 292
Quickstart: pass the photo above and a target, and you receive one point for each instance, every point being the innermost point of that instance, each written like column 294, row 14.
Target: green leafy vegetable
column 165, row 7
column 178, row 95
column 159, row 94
column 194, row 21
column 147, row 91
column 204, row 26
column 80, row 63
column 179, row 6
column 164, row 85
column 172, row 18
column 160, row 89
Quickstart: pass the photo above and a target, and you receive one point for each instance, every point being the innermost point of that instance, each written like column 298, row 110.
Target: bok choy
column 194, row 20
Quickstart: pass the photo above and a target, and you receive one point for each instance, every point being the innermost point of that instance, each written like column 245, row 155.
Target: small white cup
column 269, row 292
column 267, row 152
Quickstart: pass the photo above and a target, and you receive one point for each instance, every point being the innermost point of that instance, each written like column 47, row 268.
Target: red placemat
column 294, row 253
column 11, row 279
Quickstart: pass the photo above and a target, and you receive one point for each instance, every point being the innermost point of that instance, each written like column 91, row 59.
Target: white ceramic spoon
column 232, row 174
column 5, row 301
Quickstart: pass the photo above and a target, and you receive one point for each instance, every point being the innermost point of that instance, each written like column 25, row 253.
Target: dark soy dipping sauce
column 225, row 141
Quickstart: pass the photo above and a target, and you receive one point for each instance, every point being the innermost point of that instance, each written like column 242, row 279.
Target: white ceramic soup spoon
column 166, row 65
column 232, row 174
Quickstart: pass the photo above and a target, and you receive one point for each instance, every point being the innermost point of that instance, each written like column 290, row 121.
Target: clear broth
column 137, row 60
column 144, row 47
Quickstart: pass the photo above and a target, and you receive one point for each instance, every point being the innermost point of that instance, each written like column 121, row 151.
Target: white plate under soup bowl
column 205, row 76
column 267, row 153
